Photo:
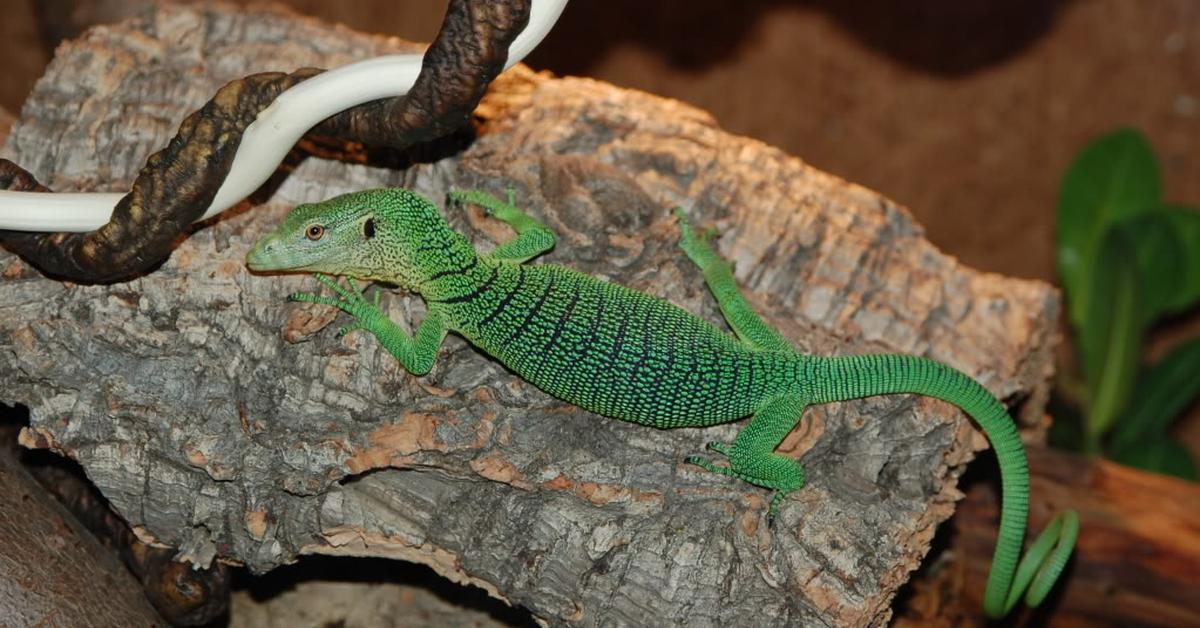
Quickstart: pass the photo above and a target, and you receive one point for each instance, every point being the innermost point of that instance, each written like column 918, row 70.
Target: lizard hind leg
column 718, row 274
column 752, row 456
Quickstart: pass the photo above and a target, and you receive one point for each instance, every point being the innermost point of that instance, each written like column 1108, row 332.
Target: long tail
column 851, row 377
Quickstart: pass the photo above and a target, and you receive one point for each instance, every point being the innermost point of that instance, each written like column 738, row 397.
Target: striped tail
column 851, row 377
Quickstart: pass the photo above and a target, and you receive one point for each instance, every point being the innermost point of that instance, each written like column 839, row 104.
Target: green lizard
column 631, row 356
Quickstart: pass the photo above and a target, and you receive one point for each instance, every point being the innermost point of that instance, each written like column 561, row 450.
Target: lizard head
column 379, row 234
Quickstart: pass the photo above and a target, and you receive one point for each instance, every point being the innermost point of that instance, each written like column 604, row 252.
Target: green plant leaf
column 1161, row 394
column 1115, row 176
column 1167, row 246
column 1161, row 455
column 1111, row 338
column 1185, row 222
column 1156, row 249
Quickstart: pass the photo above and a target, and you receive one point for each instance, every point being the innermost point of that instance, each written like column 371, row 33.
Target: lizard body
column 615, row 351
column 633, row 356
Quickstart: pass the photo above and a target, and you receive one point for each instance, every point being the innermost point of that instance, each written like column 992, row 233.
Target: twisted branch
column 170, row 192
column 467, row 54
column 179, row 183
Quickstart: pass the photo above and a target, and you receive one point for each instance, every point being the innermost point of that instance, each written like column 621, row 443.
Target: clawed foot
column 697, row 245
column 490, row 204
column 719, row 447
column 782, row 487
column 350, row 300
column 689, row 235
column 773, row 509
column 705, row 463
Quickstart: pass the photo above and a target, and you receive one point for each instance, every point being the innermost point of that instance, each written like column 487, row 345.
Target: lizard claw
column 479, row 198
column 773, row 509
column 685, row 225
column 708, row 465
column 719, row 447
column 344, row 331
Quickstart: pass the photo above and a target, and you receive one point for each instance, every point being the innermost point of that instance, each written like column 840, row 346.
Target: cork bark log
column 220, row 419
column 53, row 572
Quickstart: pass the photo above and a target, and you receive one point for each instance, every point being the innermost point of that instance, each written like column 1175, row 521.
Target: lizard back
column 613, row 350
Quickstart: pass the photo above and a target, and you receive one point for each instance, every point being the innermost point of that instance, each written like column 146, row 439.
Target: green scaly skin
column 632, row 356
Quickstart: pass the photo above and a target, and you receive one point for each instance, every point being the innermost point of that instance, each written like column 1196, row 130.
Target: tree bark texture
column 53, row 572
column 220, row 419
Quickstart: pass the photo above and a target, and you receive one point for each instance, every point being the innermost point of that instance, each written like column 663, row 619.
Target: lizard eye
column 315, row 232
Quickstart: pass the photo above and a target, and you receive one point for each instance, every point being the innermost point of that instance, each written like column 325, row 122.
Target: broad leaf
column 1185, row 222
column 1167, row 245
column 1116, row 176
column 1162, row 393
column 1111, row 338
column 1161, row 455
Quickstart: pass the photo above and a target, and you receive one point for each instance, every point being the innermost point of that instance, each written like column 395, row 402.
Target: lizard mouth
column 273, row 256
column 265, row 256
column 260, row 258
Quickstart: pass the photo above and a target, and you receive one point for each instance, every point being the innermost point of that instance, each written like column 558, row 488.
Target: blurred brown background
column 966, row 111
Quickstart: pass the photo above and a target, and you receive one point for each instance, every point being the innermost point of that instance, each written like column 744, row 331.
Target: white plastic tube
column 269, row 138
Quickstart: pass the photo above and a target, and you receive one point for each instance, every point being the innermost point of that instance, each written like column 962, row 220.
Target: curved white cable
column 269, row 138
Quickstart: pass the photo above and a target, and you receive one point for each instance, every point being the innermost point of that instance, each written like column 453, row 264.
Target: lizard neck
column 420, row 252
column 453, row 273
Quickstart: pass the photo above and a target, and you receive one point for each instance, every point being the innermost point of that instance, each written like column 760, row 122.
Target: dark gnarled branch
column 469, row 51
column 173, row 189
column 179, row 182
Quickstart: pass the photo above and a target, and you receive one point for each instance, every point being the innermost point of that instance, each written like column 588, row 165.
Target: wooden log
column 222, row 420
column 52, row 572
column 1137, row 562
column 381, row 593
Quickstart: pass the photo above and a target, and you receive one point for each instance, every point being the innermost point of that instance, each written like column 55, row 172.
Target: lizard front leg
column 415, row 353
column 533, row 237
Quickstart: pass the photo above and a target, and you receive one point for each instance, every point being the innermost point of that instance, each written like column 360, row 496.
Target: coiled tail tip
column 1039, row 568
